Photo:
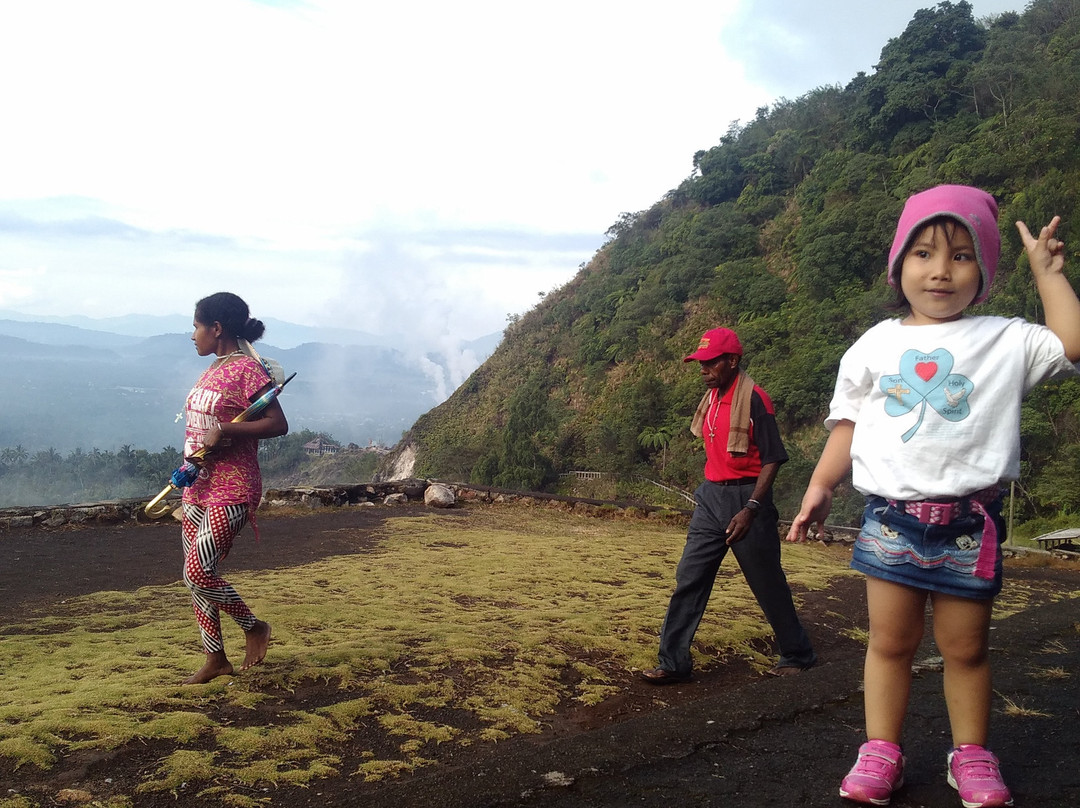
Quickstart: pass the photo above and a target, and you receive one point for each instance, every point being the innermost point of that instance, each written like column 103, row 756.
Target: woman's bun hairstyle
column 232, row 312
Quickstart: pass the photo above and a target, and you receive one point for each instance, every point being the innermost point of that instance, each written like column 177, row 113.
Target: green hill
column 782, row 232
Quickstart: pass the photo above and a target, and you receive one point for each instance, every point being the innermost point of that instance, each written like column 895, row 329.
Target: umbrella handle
column 157, row 507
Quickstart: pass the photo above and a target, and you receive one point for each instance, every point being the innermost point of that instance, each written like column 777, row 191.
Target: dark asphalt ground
column 789, row 741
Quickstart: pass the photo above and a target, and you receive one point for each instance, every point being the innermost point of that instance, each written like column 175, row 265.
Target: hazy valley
column 67, row 387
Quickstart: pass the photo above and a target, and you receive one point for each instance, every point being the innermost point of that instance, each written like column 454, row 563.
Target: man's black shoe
column 661, row 676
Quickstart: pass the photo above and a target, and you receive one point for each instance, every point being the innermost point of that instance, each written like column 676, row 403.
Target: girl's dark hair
column 948, row 225
column 232, row 312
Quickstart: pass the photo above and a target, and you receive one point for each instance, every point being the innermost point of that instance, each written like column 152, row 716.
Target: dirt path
column 39, row 566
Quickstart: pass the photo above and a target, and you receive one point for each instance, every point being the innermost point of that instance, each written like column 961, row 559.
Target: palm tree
column 47, row 457
column 658, row 438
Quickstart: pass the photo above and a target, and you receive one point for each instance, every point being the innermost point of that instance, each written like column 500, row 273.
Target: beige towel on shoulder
column 739, row 435
column 698, row 421
column 739, row 432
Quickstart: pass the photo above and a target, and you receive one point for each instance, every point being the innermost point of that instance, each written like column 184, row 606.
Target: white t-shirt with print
column 937, row 407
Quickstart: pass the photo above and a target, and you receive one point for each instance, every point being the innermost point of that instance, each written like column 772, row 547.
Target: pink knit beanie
column 973, row 208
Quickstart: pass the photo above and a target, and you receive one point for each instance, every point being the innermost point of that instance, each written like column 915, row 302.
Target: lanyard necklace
column 715, row 410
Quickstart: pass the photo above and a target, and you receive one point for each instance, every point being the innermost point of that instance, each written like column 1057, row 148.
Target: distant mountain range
column 105, row 331
column 76, row 382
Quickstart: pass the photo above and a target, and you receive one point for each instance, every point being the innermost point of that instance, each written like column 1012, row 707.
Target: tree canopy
column 782, row 232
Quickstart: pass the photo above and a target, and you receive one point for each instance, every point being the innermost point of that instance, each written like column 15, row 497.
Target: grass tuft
column 1051, row 674
column 1018, row 710
column 858, row 634
column 179, row 769
column 16, row 802
column 1055, row 647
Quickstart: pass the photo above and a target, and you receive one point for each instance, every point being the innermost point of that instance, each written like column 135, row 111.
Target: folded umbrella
column 189, row 471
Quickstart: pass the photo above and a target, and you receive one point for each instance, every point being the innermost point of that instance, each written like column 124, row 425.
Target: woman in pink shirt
column 229, row 486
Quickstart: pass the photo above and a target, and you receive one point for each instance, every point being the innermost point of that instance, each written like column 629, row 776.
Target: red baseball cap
column 714, row 343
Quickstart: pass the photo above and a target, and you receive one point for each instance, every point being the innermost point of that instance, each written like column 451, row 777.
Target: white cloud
column 16, row 285
column 416, row 166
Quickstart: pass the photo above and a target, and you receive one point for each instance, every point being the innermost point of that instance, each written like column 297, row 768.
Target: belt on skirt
column 944, row 513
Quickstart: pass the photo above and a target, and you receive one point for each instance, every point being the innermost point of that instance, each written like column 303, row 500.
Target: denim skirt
column 895, row 546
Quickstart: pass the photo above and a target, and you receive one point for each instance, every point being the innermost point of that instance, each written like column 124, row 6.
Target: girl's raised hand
column 1061, row 306
column 1046, row 254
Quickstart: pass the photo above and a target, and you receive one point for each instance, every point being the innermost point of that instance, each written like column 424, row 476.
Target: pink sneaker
column 877, row 773
column 974, row 773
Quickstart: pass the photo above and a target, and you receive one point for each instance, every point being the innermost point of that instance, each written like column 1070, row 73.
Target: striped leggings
column 208, row 537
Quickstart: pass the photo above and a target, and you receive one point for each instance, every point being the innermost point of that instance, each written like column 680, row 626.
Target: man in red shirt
column 743, row 452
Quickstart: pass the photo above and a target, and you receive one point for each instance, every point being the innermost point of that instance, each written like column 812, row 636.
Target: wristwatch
column 752, row 505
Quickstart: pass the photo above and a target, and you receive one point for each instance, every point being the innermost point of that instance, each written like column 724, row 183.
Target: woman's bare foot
column 258, row 640
column 217, row 664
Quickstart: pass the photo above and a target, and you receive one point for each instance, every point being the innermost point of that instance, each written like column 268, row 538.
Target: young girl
column 926, row 416
column 229, row 486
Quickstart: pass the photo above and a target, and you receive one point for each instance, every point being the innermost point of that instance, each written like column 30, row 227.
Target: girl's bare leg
column 962, row 633
column 897, row 618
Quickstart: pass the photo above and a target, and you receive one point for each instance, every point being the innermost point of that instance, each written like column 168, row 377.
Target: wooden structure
column 320, row 446
column 1066, row 539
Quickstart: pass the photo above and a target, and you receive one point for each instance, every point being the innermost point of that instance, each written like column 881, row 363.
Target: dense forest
column 48, row 477
column 782, row 232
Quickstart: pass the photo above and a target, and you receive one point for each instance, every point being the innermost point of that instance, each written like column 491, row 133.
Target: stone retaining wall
column 364, row 494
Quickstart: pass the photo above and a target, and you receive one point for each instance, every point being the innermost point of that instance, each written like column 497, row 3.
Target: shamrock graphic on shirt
column 926, row 378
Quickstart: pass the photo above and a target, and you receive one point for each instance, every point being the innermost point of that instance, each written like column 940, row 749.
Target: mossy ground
column 448, row 633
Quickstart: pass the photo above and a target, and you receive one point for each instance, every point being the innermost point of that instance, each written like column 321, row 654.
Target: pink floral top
column 230, row 473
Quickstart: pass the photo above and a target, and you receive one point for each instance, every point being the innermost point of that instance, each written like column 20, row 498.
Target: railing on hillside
column 605, row 475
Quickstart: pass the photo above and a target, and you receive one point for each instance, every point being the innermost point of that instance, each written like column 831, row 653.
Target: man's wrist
column 752, row 505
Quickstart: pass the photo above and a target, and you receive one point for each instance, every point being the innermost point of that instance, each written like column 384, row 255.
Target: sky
column 418, row 168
